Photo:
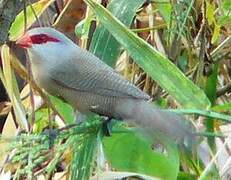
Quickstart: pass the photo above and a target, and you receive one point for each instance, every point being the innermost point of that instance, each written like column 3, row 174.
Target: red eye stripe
column 42, row 38
column 26, row 41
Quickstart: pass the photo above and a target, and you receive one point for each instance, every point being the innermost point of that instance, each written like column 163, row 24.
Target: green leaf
column 109, row 175
column 17, row 28
column 82, row 28
column 224, row 20
column 66, row 110
column 110, row 49
column 211, row 84
column 131, row 151
column 210, row 90
column 226, row 4
column 161, row 69
column 222, row 107
column 84, row 154
column 216, row 33
column 165, row 9
column 41, row 120
column 206, row 113
column 186, row 176
column 82, row 158
column 210, row 11
column 183, row 61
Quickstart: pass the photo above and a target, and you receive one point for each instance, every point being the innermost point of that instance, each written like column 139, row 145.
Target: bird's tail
column 155, row 119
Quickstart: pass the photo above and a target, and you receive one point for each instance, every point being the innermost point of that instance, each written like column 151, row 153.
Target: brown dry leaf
column 57, row 176
column 61, row 176
column 40, row 177
column 9, row 131
column 72, row 13
column 5, row 108
column 24, row 95
column 12, row 87
column 67, row 156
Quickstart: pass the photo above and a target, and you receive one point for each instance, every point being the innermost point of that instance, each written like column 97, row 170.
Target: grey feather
column 90, row 74
column 90, row 85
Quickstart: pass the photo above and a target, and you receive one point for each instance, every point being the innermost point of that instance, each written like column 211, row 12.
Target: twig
column 31, row 92
column 147, row 29
column 34, row 12
column 25, row 16
column 223, row 90
column 210, row 165
column 185, row 19
column 221, row 46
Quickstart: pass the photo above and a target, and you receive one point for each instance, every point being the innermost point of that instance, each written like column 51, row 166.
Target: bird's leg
column 106, row 126
column 79, row 118
column 52, row 134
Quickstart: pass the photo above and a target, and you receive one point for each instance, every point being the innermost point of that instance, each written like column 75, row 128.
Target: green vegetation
column 176, row 51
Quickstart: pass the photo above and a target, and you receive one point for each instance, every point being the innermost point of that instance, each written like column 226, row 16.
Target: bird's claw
column 106, row 127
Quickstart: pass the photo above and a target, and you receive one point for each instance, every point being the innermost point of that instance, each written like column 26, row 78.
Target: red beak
column 24, row 41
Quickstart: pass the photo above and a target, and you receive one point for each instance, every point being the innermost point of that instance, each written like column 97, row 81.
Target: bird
column 65, row 70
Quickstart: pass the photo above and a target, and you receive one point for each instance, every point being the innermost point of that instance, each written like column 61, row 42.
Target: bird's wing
column 89, row 74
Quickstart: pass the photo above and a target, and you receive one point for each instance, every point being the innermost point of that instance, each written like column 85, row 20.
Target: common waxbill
column 64, row 69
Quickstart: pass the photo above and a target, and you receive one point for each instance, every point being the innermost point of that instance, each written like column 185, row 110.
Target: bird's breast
column 42, row 78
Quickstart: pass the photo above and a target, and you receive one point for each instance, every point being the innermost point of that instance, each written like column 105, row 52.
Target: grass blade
column 111, row 49
column 163, row 71
column 17, row 28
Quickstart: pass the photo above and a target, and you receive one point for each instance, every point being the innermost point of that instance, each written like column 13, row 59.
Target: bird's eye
column 42, row 38
column 39, row 38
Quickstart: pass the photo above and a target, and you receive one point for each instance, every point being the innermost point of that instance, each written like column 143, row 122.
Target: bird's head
column 42, row 36
column 46, row 42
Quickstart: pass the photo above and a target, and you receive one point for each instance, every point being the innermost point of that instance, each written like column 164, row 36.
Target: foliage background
column 176, row 51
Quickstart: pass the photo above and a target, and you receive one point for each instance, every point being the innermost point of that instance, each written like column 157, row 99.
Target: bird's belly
column 82, row 101
column 88, row 102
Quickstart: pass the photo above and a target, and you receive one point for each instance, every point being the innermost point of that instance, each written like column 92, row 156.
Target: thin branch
column 223, row 90
column 35, row 14
column 225, row 43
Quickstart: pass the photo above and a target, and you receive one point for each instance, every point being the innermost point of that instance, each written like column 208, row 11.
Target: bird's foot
column 52, row 134
column 106, row 126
